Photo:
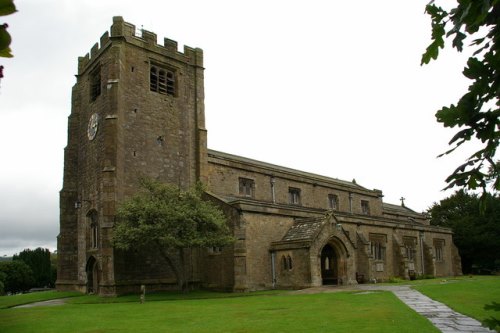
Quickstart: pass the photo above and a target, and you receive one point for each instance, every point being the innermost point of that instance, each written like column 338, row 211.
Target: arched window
column 94, row 229
column 285, row 263
column 290, row 266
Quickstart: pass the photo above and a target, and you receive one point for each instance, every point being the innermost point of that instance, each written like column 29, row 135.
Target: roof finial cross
column 402, row 201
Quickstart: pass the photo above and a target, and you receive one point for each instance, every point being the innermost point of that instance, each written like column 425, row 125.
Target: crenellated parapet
column 121, row 30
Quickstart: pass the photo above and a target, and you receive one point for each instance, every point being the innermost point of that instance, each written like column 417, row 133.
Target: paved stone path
column 52, row 302
column 444, row 318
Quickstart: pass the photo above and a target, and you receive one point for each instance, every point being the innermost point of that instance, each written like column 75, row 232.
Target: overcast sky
column 329, row 87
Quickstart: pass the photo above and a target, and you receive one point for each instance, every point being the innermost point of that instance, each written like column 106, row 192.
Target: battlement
column 147, row 39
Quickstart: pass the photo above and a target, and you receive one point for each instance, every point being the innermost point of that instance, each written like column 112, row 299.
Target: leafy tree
column 169, row 221
column 39, row 262
column 3, row 276
column 6, row 7
column 475, row 235
column 18, row 276
column 477, row 112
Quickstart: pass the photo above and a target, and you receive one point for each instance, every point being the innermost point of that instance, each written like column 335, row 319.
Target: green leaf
column 7, row 7
column 458, row 41
column 6, row 53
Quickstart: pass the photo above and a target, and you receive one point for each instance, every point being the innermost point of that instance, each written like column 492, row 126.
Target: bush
column 18, row 276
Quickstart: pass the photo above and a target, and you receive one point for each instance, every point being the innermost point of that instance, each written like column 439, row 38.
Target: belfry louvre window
column 161, row 81
column 246, row 187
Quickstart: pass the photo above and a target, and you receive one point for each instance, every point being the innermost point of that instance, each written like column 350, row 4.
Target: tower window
column 93, row 229
column 161, row 81
column 95, row 84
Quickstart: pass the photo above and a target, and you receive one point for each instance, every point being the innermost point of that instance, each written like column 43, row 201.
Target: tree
column 7, row 7
column 3, row 276
column 477, row 113
column 18, row 276
column 475, row 235
column 170, row 221
column 39, row 262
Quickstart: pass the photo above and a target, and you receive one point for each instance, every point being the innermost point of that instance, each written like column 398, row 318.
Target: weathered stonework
column 138, row 110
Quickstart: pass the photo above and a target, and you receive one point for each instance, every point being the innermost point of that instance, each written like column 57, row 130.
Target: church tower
column 137, row 110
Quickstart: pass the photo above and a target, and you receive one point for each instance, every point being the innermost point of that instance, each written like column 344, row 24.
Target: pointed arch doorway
column 92, row 276
column 329, row 265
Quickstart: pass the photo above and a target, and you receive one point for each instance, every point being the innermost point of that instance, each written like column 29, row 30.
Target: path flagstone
column 52, row 302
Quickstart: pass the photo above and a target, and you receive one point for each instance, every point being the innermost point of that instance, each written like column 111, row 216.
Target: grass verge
column 467, row 295
column 328, row 312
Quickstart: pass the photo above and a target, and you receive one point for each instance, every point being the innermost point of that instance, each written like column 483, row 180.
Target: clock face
column 93, row 125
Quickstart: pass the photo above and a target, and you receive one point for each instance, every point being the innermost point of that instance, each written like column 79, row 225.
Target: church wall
column 299, row 274
column 224, row 175
column 261, row 230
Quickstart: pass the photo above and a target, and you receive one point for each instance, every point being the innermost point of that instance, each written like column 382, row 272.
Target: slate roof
column 304, row 230
column 278, row 168
column 398, row 208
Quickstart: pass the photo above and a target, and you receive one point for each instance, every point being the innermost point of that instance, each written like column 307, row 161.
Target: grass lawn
column 467, row 295
column 327, row 312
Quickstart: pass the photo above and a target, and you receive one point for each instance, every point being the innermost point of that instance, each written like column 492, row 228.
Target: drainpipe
column 272, row 190
column 350, row 202
column 422, row 251
column 273, row 269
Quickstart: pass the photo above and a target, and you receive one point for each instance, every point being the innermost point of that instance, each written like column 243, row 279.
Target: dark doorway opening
column 92, row 277
column 329, row 265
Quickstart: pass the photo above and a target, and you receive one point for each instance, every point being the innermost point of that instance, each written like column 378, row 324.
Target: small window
column 438, row 249
column 215, row 250
column 246, row 187
column 162, row 81
column 410, row 244
column 95, row 84
column 377, row 246
column 365, row 207
column 294, row 196
column 287, row 263
column 333, row 201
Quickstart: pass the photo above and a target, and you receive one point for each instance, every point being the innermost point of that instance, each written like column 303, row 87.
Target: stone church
column 138, row 110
